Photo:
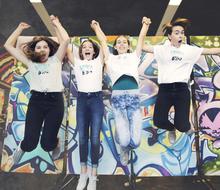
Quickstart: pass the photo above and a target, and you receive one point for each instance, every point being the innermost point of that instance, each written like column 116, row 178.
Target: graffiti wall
column 6, row 77
column 155, row 156
column 207, row 79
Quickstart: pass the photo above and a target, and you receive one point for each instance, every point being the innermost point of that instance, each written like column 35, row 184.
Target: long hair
column 115, row 52
column 95, row 47
column 184, row 22
column 29, row 48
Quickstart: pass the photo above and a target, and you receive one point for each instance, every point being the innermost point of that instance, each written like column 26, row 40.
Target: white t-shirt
column 46, row 76
column 175, row 64
column 88, row 74
column 123, row 64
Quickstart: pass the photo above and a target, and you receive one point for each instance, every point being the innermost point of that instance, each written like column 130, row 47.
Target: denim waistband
column 175, row 85
column 122, row 92
column 45, row 93
column 89, row 93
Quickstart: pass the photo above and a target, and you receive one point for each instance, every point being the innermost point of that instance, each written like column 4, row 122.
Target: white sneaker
column 92, row 183
column 82, row 181
column 17, row 155
column 124, row 156
column 172, row 136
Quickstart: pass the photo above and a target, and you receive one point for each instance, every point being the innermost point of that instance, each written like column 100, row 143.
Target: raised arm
column 145, row 25
column 63, row 37
column 11, row 42
column 101, row 37
column 148, row 49
column 211, row 51
column 69, row 53
column 70, row 56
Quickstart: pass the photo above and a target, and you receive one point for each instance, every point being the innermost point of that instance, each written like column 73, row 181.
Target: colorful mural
column 155, row 156
column 207, row 80
column 6, row 76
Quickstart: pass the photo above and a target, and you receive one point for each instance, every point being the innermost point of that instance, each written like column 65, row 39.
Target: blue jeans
column 128, row 118
column 89, row 113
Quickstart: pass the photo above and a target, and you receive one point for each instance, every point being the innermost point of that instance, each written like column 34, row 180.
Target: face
column 43, row 49
column 87, row 50
column 177, row 36
column 122, row 45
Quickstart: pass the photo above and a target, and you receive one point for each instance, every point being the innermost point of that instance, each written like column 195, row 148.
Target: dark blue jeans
column 45, row 113
column 89, row 113
column 177, row 95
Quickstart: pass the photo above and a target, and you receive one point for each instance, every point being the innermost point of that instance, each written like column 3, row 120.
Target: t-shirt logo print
column 42, row 72
column 176, row 55
column 176, row 58
column 86, row 69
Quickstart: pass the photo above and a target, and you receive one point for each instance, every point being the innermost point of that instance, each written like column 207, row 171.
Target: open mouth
column 42, row 54
column 122, row 47
column 180, row 41
column 87, row 53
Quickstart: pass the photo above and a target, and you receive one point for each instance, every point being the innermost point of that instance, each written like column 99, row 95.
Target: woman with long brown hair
column 43, row 57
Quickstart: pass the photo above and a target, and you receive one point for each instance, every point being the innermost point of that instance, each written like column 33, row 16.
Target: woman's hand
column 146, row 21
column 94, row 24
column 22, row 26
column 55, row 20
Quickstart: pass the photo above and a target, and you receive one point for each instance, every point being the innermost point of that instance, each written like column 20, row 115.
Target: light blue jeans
column 128, row 117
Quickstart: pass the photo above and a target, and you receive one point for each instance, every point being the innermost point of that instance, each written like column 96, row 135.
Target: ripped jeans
column 128, row 117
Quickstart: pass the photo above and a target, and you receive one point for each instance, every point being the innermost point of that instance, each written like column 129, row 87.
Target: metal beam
column 168, row 15
column 42, row 12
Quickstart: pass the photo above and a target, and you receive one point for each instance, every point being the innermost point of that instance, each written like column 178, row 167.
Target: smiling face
column 177, row 36
column 87, row 50
column 43, row 50
column 122, row 45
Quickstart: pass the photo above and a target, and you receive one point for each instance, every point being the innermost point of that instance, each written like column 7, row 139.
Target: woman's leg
column 33, row 123
column 55, row 110
column 82, row 118
column 121, row 120
column 96, row 108
column 162, row 106
column 123, row 135
column 97, row 111
column 83, row 122
column 182, row 110
column 135, row 120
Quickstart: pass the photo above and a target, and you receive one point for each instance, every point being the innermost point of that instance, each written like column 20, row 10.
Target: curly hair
column 115, row 52
column 95, row 47
column 29, row 48
column 184, row 22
